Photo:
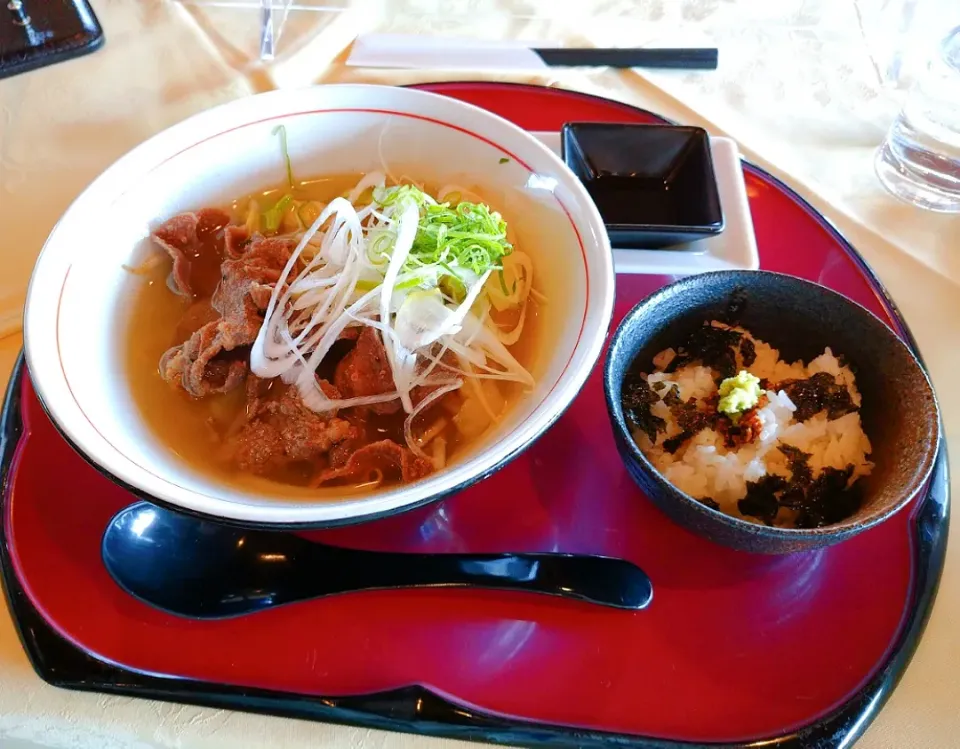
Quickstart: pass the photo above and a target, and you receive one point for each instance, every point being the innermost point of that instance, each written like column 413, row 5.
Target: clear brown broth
column 196, row 429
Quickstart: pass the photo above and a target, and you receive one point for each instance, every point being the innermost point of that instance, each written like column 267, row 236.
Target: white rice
column 704, row 467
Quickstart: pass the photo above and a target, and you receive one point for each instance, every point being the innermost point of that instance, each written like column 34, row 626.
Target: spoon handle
column 601, row 580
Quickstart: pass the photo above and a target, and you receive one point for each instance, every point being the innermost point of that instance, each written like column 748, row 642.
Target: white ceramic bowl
column 75, row 328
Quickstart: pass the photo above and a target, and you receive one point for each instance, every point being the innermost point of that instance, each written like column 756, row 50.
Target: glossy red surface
column 733, row 647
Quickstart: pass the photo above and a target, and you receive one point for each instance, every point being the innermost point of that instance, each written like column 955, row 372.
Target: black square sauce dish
column 654, row 185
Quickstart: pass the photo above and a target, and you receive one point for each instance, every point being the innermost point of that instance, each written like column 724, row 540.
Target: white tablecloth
column 796, row 87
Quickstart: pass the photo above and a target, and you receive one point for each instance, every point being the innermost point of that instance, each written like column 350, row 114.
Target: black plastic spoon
column 201, row 569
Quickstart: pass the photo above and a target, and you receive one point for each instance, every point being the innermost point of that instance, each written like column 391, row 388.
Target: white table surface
column 796, row 88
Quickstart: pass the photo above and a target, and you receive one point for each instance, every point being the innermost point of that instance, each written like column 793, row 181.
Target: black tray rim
column 416, row 709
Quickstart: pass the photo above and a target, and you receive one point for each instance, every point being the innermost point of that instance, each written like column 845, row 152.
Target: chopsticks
column 413, row 52
column 680, row 58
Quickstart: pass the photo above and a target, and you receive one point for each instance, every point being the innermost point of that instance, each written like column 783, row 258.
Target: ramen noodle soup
column 350, row 332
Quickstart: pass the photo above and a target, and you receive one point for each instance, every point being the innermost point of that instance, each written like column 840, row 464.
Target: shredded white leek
column 422, row 273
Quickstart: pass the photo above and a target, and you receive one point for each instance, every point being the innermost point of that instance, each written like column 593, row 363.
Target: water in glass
column 920, row 158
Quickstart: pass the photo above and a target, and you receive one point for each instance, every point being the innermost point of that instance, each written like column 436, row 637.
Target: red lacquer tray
column 735, row 648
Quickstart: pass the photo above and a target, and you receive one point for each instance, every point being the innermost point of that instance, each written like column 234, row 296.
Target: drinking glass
column 920, row 159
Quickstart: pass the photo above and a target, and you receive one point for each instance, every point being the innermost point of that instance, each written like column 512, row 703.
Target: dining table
column 800, row 85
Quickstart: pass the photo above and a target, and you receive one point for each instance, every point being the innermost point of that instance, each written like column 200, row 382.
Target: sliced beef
column 420, row 393
column 178, row 237
column 350, row 333
column 385, row 456
column 306, row 435
column 266, row 256
column 245, row 289
column 201, row 366
column 239, row 302
column 340, row 453
column 365, row 370
column 195, row 242
column 235, row 241
column 197, row 315
column 259, row 448
column 257, row 391
column 283, row 431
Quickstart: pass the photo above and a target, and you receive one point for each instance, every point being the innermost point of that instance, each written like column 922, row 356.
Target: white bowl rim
column 53, row 390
